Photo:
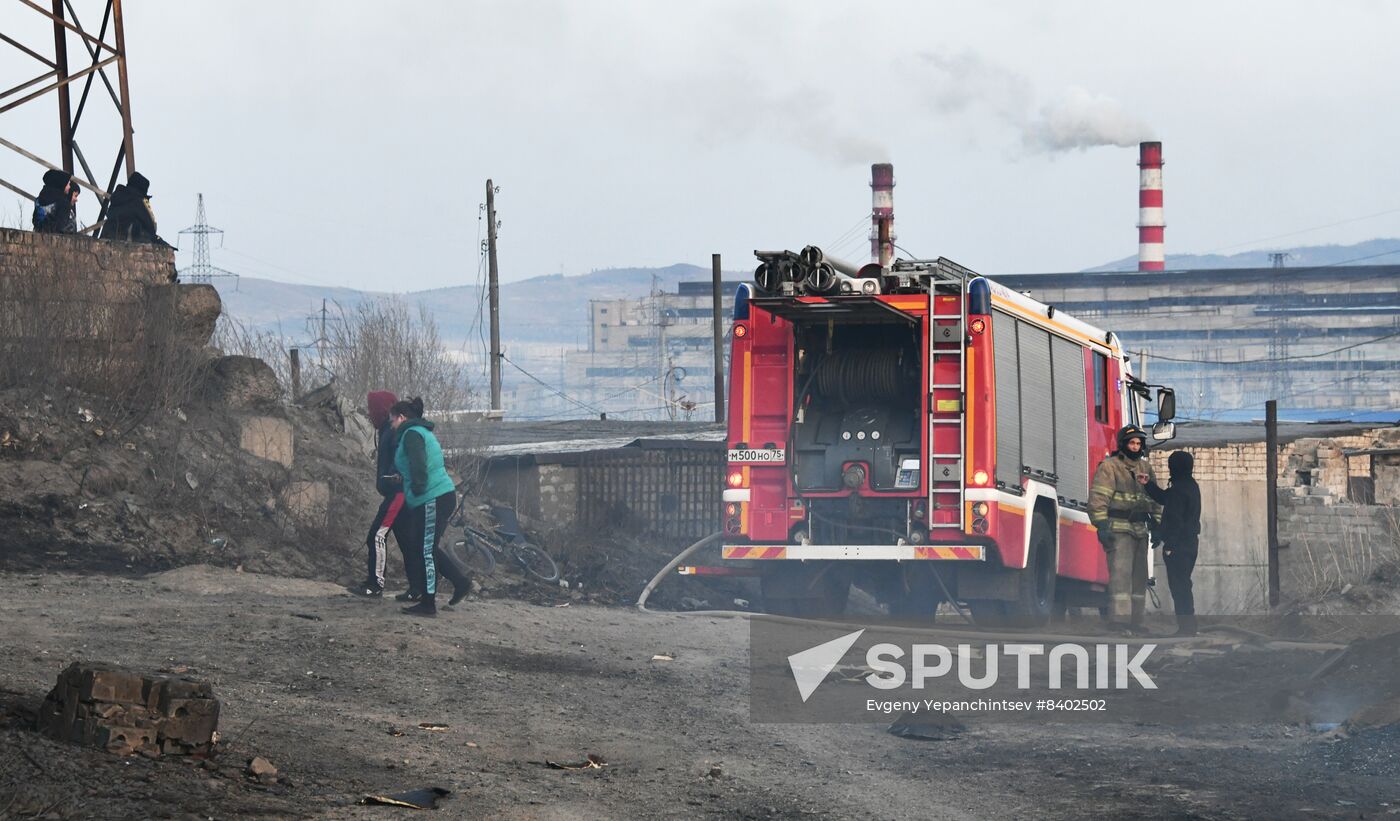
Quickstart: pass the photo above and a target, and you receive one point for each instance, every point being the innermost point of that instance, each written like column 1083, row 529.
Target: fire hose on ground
column 713, row 538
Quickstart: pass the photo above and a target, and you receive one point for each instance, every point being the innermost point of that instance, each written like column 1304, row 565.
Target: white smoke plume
column 1083, row 120
column 1076, row 120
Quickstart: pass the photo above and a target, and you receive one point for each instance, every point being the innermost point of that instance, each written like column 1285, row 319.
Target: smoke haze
column 1077, row 119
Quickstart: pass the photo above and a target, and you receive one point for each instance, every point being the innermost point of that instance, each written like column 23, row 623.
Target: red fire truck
column 921, row 432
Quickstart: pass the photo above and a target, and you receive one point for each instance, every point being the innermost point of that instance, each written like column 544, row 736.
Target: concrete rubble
column 127, row 713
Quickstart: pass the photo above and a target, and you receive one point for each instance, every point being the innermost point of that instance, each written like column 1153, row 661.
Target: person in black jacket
column 129, row 214
column 1179, row 533
column 53, row 205
column 391, row 516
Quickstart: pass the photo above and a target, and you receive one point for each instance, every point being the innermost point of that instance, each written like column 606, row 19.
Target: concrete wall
column 1232, row 573
column 1325, row 540
column 558, row 508
column 93, row 309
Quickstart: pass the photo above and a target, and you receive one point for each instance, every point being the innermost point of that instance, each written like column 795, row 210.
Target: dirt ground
column 332, row 690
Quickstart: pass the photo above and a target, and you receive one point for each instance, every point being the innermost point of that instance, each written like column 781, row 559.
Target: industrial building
column 652, row 357
column 1324, row 342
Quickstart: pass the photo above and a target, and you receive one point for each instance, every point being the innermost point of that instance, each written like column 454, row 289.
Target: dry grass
column 1354, row 557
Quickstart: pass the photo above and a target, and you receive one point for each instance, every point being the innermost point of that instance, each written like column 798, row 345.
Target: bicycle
column 479, row 550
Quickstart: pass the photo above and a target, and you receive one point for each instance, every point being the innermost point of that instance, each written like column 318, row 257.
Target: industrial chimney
column 882, row 214
column 1152, row 254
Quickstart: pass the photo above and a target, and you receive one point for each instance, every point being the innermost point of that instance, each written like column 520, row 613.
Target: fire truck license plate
column 758, row 456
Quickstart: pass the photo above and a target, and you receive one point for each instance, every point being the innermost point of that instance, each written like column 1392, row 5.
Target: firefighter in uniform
column 1120, row 508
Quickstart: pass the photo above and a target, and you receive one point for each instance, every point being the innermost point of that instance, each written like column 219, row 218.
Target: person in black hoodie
column 129, row 214
column 52, row 208
column 1179, row 534
column 391, row 516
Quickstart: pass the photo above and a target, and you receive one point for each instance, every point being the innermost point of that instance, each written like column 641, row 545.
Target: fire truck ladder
column 947, row 398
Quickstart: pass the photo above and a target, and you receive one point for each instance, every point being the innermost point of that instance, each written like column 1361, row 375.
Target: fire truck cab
column 922, row 432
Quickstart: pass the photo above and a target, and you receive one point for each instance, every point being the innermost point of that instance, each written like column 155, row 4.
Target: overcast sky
column 349, row 142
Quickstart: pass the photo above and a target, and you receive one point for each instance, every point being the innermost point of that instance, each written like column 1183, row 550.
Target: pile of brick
column 125, row 712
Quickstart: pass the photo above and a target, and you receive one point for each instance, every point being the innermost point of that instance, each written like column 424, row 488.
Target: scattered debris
column 422, row 799
column 593, row 762
column 191, row 480
column 307, row 616
column 690, row 603
column 85, row 414
column 663, row 657
column 742, row 604
column 432, row 727
column 262, row 769
column 924, row 727
column 716, row 771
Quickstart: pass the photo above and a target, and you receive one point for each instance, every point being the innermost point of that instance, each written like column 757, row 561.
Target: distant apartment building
column 650, row 357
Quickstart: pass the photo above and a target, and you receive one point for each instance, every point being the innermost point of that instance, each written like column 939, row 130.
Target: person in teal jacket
column 430, row 498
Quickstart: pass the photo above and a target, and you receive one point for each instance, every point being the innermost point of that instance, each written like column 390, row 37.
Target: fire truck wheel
column 1035, row 600
column 805, row 591
column 1036, row 603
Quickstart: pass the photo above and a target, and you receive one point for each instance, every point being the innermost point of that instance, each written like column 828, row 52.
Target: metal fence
column 667, row 492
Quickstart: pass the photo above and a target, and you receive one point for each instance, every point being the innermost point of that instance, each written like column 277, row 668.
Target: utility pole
column 296, row 373
column 717, row 299
column 321, row 342
column 494, row 294
column 1271, row 494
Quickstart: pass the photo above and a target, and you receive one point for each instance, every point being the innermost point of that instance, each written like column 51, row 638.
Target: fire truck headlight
column 736, row 478
column 868, row 286
column 732, row 509
column 978, row 325
column 979, row 478
column 979, row 525
column 979, row 508
column 741, row 331
column 731, row 525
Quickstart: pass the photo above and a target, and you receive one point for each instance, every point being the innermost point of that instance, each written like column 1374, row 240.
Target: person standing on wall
column 1121, row 508
column 430, row 497
column 1180, row 533
column 390, row 516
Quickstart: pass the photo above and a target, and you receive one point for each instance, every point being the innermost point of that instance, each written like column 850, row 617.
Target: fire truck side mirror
column 1162, row 431
column 1166, row 404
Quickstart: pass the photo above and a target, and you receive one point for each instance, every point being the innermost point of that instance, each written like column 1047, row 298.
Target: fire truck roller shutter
column 1008, row 400
column 1071, row 421
column 1037, row 408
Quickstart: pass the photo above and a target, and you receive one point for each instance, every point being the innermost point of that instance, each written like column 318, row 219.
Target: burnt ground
column 332, row 690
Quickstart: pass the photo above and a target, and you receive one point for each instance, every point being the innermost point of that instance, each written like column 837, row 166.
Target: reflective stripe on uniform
column 429, row 530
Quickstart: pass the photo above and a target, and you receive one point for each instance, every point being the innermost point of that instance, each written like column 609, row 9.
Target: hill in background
column 1370, row 252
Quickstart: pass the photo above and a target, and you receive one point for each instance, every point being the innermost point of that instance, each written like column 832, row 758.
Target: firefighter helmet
column 1128, row 432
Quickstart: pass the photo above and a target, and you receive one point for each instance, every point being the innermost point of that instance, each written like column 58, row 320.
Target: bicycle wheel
column 536, row 562
column 474, row 557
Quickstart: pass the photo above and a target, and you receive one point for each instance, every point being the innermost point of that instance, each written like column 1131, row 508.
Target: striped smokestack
column 882, row 214
column 1152, row 255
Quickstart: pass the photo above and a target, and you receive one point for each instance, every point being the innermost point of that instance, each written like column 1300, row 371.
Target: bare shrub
column 383, row 344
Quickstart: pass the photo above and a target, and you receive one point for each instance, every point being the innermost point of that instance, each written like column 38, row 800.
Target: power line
column 550, row 387
column 1303, row 231
column 1266, row 360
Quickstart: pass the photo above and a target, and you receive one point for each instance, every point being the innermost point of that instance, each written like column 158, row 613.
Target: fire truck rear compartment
column 858, row 394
